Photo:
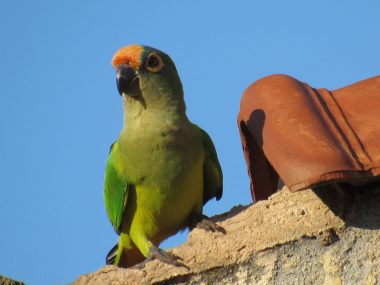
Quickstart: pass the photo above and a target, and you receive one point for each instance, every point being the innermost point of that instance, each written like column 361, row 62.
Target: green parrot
column 162, row 169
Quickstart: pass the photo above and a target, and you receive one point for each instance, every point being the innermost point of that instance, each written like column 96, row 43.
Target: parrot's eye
column 154, row 63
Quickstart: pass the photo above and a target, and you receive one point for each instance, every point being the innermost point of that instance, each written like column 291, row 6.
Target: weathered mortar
column 326, row 236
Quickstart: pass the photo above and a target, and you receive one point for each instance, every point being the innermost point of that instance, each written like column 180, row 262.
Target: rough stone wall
column 7, row 281
column 323, row 236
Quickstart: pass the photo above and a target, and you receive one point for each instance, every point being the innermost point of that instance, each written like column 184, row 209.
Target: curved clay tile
column 309, row 136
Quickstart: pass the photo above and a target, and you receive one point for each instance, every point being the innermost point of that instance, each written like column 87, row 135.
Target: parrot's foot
column 163, row 256
column 203, row 222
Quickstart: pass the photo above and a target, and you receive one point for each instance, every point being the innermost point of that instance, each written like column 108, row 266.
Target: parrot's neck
column 162, row 115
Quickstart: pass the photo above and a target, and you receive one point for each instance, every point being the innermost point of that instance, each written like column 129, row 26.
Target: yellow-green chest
column 165, row 168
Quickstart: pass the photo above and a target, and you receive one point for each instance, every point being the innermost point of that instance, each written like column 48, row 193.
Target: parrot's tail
column 128, row 258
column 111, row 256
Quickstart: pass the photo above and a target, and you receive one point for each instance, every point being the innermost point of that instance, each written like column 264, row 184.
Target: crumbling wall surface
column 7, row 281
column 326, row 236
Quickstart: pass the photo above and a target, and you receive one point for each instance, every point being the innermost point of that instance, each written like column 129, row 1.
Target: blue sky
column 60, row 110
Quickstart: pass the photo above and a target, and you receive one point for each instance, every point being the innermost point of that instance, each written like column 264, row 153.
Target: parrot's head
column 148, row 77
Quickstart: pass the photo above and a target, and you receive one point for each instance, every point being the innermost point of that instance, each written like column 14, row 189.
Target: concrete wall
column 325, row 236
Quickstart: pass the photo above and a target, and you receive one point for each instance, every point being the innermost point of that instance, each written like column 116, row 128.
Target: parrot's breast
column 166, row 167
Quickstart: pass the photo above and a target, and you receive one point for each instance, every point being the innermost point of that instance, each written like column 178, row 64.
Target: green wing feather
column 213, row 176
column 115, row 190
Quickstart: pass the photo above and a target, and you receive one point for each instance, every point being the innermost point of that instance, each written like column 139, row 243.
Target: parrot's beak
column 127, row 80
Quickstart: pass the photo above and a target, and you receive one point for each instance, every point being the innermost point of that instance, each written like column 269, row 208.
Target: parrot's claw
column 163, row 256
column 203, row 222
column 141, row 265
column 166, row 257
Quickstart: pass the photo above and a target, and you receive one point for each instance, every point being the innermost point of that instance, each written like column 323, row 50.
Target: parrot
column 162, row 169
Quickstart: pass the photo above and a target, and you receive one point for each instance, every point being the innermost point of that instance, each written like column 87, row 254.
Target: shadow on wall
column 353, row 204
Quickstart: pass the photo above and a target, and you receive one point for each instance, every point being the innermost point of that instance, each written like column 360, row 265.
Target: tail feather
column 111, row 256
column 129, row 257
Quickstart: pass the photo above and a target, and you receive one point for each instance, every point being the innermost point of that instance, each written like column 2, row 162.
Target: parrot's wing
column 111, row 147
column 212, row 172
column 115, row 191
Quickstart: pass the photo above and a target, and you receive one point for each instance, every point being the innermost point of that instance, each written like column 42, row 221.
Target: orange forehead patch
column 130, row 55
